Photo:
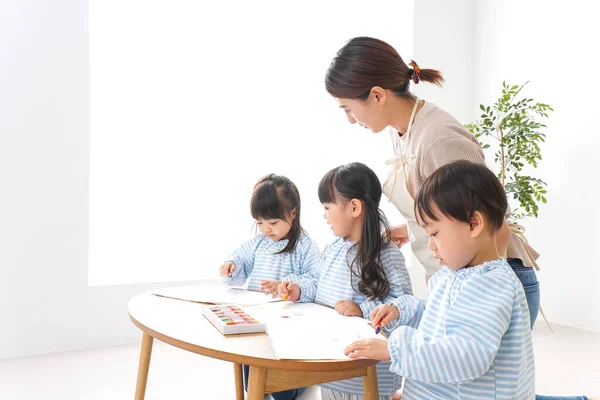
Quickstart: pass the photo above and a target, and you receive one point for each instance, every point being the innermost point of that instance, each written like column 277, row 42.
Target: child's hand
column 269, row 287
column 374, row 349
column 227, row 269
column 384, row 314
column 290, row 290
column 348, row 308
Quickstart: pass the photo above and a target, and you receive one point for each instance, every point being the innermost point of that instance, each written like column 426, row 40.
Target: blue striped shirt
column 258, row 259
column 473, row 340
column 331, row 283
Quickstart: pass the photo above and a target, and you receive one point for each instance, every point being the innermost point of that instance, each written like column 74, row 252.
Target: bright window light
column 192, row 102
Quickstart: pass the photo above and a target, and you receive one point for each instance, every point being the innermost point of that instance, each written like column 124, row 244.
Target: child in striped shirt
column 473, row 339
column 281, row 252
column 361, row 268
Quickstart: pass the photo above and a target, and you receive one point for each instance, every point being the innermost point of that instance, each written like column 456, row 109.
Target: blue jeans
column 531, row 287
column 291, row 394
column 540, row 397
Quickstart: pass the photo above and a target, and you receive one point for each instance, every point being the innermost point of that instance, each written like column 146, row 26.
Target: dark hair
column 458, row 190
column 364, row 63
column 357, row 181
column 275, row 197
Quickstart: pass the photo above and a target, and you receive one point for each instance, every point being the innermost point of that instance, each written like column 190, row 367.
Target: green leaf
column 519, row 121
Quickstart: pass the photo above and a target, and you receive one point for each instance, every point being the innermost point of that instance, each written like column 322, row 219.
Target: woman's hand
column 503, row 238
column 400, row 235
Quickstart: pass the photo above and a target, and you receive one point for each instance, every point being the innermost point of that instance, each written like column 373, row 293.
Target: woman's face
column 367, row 113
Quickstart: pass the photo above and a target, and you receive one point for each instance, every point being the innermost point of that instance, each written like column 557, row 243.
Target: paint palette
column 231, row 319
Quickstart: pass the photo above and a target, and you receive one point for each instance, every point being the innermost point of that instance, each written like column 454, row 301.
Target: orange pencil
column 285, row 294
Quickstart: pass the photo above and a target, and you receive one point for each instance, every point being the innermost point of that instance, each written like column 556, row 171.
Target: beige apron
column 395, row 188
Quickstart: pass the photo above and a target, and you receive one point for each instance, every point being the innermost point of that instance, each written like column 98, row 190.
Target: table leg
column 142, row 379
column 370, row 385
column 239, row 381
column 257, row 383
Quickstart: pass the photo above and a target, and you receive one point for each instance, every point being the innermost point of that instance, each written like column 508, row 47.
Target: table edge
column 294, row 365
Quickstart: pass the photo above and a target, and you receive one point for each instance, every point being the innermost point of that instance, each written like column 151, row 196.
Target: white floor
column 567, row 363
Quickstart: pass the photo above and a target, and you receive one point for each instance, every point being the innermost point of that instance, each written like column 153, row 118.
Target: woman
column 371, row 83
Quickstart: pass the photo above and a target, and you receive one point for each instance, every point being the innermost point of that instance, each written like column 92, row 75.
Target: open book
column 308, row 331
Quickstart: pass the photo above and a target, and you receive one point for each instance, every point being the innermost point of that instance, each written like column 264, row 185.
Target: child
column 473, row 338
column 281, row 252
column 361, row 268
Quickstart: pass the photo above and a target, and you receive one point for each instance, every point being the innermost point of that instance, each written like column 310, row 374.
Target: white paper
column 307, row 331
column 216, row 294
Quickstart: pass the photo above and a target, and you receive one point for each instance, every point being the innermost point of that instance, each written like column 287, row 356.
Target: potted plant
column 512, row 125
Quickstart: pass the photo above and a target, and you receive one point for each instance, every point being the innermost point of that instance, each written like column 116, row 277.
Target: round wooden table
column 181, row 324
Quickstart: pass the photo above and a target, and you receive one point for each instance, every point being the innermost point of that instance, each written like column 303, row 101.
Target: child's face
column 451, row 241
column 276, row 229
column 339, row 217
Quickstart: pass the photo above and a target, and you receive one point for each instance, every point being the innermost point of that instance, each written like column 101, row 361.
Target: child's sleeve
column 243, row 258
column 308, row 264
column 475, row 325
column 308, row 283
column 411, row 308
column 394, row 267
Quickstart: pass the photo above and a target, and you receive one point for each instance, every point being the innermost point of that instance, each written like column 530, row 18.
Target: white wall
column 257, row 97
column 45, row 302
column 554, row 45
column 444, row 41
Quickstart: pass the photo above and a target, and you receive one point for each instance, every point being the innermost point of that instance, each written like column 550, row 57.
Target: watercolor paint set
column 231, row 319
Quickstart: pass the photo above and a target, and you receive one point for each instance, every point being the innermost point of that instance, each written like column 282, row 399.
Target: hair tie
column 415, row 71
